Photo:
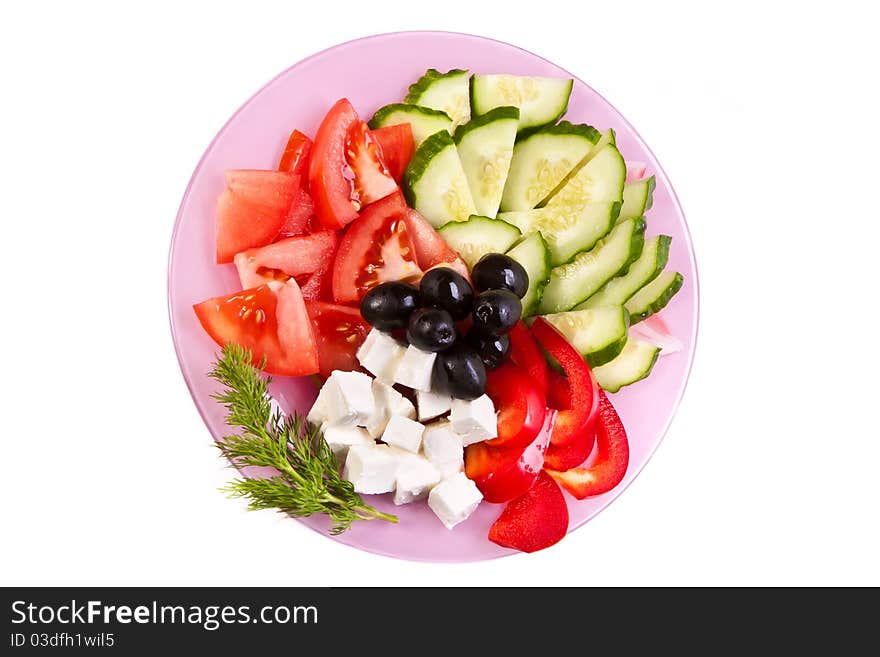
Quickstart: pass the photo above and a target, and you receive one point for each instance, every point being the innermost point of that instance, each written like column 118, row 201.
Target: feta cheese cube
column 414, row 369
column 371, row 468
column 318, row 413
column 454, row 499
column 388, row 402
column 350, row 398
column 443, row 447
column 416, row 476
column 380, row 354
column 340, row 438
column 474, row 420
column 432, row 404
column 404, row 433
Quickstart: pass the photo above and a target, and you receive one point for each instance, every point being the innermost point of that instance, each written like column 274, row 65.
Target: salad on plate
column 467, row 276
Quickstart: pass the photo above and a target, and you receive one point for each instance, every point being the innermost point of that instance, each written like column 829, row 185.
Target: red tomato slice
column 397, row 146
column 339, row 331
column 345, row 170
column 521, row 406
column 269, row 320
column 296, row 154
column 431, row 249
column 270, row 189
column 294, row 257
column 244, row 225
column 375, row 248
column 372, row 180
column 318, row 286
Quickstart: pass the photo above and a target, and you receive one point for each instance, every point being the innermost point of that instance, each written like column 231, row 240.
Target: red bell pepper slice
column 525, row 353
column 521, row 406
column 576, row 451
column 505, row 473
column 583, row 387
column 612, row 457
column 533, row 521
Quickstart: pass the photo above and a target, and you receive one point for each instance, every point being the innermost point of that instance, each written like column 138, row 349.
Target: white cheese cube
column 454, row 499
column 416, row 476
column 432, row 404
column 371, row 468
column 388, row 402
column 414, row 369
column 340, row 438
column 474, row 420
column 318, row 413
column 443, row 447
column 404, row 433
column 350, row 399
column 380, row 354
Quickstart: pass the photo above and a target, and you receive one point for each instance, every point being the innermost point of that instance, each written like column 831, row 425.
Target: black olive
column 496, row 271
column 389, row 305
column 431, row 329
column 496, row 311
column 492, row 349
column 460, row 372
column 447, row 289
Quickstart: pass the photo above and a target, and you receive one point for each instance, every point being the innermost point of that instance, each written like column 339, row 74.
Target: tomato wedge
column 521, row 406
column 375, row 248
column 346, row 171
column 339, row 331
column 397, row 146
column 582, row 385
column 242, row 225
column 269, row 320
column 294, row 257
column 504, row 473
column 431, row 249
column 296, row 154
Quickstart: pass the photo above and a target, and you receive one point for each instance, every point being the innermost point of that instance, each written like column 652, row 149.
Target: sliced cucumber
column 424, row 121
column 637, row 198
column 534, row 255
column 477, row 236
column 599, row 334
column 606, row 138
column 434, row 182
column 448, row 92
column 579, row 279
column 654, row 296
column 641, row 272
column 567, row 233
column 485, row 146
column 540, row 100
column 633, row 364
column 541, row 159
column 600, row 179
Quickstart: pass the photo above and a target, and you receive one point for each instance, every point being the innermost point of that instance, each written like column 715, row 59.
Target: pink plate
column 372, row 72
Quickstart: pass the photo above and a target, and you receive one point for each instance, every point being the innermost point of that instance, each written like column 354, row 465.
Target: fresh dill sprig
column 308, row 479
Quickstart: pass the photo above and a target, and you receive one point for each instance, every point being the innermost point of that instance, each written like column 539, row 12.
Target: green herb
column 308, row 479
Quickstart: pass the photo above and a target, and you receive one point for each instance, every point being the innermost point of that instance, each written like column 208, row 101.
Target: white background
column 765, row 117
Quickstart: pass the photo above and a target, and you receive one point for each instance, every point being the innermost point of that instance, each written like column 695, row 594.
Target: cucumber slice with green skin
column 654, row 296
column 434, row 182
column 448, row 92
column 641, row 272
column 599, row 180
column 477, row 236
column 485, row 146
column 567, row 234
column 606, row 138
column 540, row 100
column 599, row 334
column 633, row 364
column 638, row 197
column 573, row 282
column 541, row 159
column 423, row 120
column 533, row 254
